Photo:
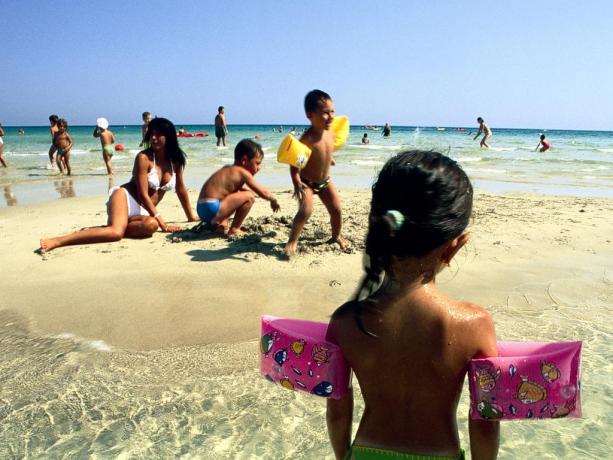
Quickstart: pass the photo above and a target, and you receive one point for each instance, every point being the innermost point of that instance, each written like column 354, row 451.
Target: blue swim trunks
column 208, row 209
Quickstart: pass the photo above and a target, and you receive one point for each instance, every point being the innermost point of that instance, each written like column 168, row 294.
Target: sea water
column 70, row 397
column 580, row 163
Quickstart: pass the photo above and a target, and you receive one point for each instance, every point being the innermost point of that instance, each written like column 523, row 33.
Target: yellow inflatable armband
column 293, row 152
column 340, row 128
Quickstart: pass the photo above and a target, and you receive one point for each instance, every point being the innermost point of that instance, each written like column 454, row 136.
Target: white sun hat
column 102, row 123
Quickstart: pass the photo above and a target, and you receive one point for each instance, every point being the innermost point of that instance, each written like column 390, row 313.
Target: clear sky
column 534, row 64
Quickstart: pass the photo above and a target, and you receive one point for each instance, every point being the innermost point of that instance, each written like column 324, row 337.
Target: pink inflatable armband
column 295, row 354
column 527, row 380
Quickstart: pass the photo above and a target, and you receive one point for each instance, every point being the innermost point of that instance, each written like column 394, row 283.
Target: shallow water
column 78, row 398
column 580, row 163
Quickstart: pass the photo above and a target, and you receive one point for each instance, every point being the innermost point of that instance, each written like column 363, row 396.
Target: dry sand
column 196, row 288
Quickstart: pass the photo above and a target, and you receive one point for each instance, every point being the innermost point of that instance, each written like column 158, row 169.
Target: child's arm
column 537, row 146
column 484, row 439
column 298, row 185
column 339, row 412
column 261, row 191
column 339, row 415
column 484, row 434
column 69, row 146
column 96, row 132
column 478, row 132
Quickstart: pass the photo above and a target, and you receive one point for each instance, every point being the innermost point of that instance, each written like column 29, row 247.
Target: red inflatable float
column 119, row 147
column 192, row 134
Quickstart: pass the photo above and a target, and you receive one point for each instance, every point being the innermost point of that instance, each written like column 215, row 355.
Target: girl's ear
column 453, row 247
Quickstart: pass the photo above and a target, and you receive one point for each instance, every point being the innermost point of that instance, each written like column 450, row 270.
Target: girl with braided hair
column 408, row 343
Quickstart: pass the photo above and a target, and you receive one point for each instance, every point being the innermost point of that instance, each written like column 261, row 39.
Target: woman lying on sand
column 132, row 207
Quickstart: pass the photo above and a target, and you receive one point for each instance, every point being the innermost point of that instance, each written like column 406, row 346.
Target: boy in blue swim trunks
column 224, row 193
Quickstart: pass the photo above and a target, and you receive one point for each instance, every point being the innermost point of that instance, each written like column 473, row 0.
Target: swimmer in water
column 544, row 144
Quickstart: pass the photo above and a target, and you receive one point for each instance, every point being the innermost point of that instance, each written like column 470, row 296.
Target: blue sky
column 540, row 64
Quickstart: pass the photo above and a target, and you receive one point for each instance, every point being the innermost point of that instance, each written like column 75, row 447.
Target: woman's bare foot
column 342, row 242
column 48, row 244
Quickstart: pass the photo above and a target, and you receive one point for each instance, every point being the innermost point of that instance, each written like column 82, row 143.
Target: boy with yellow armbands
column 314, row 177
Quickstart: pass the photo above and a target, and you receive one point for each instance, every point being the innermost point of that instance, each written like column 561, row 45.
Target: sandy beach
column 180, row 314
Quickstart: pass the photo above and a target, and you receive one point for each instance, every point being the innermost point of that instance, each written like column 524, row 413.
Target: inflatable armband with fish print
column 527, row 380
column 295, row 354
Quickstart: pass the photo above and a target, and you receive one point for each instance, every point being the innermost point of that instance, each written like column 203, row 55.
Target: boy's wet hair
column 433, row 194
column 54, row 118
column 313, row 98
column 167, row 129
column 146, row 114
column 62, row 122
column 220, row 108
column 542, row 136
column 248, row 148
column 480, row 120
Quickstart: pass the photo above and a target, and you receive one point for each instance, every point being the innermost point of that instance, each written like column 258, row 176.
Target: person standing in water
column 107, row 139
column 546, row 145
column 2, row 160
column 387, row 130
column 53, row 119
column 146, row 116
column 486, row 131
column 221, row 129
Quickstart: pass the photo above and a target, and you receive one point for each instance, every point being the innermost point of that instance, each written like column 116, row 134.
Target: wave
column 503, row 149
column 485, row 171
column 98, row 345
column 598, row 168
column 469, row 159
column 28, row 154
column 377, row 147
column 367, row 162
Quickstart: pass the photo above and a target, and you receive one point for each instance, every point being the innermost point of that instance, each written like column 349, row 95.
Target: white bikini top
column 154, row 180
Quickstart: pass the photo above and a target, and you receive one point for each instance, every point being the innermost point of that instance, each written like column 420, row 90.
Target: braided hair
column 421, row 200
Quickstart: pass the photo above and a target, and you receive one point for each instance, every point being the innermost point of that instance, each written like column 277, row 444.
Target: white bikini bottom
column 134, row 208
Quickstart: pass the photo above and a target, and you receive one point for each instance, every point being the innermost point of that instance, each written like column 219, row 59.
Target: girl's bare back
column 411, row 374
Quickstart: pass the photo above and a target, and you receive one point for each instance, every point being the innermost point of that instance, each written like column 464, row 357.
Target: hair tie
column 398, row 218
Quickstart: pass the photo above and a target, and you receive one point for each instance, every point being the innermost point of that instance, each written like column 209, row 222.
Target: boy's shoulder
column 232, row 170
column 311, row 137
